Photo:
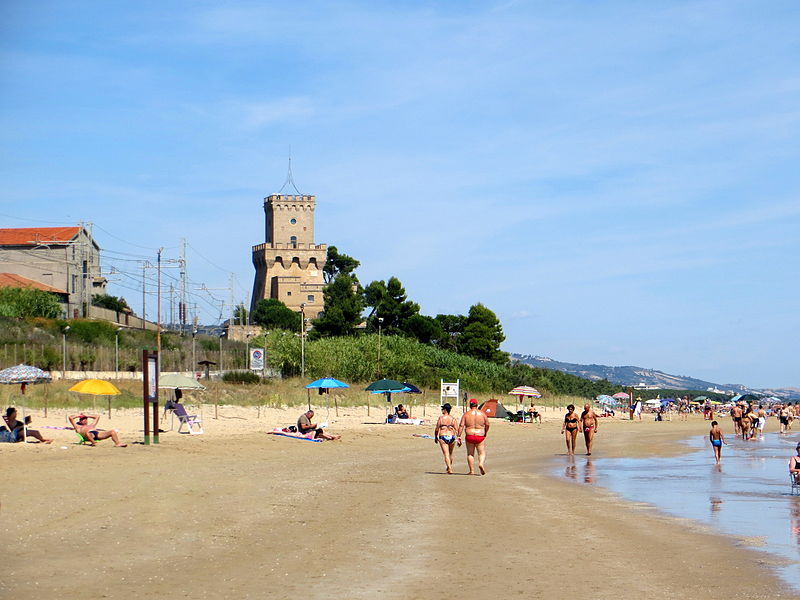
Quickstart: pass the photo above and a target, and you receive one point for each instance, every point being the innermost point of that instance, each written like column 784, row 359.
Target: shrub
column 26, row 302
column 240, row 377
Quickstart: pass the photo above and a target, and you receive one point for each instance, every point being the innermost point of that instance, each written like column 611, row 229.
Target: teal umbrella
column 386, row 385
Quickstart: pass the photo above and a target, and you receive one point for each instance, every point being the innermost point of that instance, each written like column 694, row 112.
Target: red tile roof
column 31, row 236
column 18, row 281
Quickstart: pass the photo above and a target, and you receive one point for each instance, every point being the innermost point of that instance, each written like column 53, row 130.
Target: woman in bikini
column 570, row 429
column 445, row 435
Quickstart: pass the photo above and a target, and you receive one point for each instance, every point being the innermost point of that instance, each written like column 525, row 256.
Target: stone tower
column 289, row 263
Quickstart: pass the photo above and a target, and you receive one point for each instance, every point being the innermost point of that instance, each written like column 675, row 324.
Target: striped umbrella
column 522, row 391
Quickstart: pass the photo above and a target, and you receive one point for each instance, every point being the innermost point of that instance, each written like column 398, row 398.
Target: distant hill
column 632, row 376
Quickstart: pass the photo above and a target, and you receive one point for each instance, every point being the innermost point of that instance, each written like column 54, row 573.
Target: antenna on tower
column 289, row 176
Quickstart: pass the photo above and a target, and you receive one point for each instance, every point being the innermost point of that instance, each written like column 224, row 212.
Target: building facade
column 289, row 264
column 64, row 259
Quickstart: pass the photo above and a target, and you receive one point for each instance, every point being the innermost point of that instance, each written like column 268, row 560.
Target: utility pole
column 158, row 311
column 182, row 305
column 233, row 302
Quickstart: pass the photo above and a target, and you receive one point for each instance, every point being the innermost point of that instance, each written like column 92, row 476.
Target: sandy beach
column 238, row 513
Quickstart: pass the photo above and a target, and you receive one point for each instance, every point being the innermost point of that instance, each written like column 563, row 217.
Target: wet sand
column 248, row 515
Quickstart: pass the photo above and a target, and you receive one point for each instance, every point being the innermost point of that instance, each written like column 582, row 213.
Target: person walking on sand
column 637, row 409
column 445, row 435
column 569, row 429
column 475, row 424
column 783, row 418
column 736, row 417
column 717, row 439
column 761, row 421
column 589, row 425
column 80, row 423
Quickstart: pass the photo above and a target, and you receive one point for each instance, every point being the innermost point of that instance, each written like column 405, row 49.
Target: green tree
column 482, row 336
column 390, row 303
column 452, row 327
column 343, row 307
column 336, row 264
column 28, row 302
column 110, row 302
column 425, row 329
column 271, row 313
column 240, row 314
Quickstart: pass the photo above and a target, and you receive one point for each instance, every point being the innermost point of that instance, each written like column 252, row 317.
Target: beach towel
column 408, row 421
column 309, row 437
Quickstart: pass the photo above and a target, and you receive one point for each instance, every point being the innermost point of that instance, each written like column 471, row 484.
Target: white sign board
column 257, row 359
column 450, row 390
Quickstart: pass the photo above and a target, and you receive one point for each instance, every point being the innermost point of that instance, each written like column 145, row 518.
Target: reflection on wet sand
column 749, row 499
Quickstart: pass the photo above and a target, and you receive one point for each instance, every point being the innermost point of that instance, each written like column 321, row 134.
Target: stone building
column 63, row 259
column 289, row 264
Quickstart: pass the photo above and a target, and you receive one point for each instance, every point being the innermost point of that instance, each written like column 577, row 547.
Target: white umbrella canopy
column 174, row 381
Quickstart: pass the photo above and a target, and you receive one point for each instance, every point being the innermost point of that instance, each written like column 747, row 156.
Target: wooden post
column 216, row 406
column 368, row 403
column 46, row 389
column 109, row 407
column 336, row 404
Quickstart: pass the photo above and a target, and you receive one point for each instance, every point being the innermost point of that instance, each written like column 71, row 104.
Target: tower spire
column 290, row 177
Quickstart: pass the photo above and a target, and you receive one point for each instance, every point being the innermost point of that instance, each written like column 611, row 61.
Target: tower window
column 293, row 241
column 293, row 221
column 311, row 297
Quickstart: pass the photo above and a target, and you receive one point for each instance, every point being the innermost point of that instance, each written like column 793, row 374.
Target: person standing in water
column 589, row 425
column 475, row 424
column 717, row 439
column 445, row 435
column 569, row 429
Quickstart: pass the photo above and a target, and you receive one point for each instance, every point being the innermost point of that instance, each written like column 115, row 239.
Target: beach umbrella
column 96, row 387
column 653, row 402
column 386, row 385
column 23, row 375
column 748, row 398
column 701, row 399
column 176, row 381
column 327, row 383
column 607, row 400
column 524, row 390
column 411, row 388
column 621, row 396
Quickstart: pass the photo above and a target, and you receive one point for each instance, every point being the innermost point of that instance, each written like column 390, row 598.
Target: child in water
column 717, row 439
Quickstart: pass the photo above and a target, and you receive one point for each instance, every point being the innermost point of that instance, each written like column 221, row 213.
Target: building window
column 293, row 221
column 288, row 293
column 293, row 241
column 311, row 297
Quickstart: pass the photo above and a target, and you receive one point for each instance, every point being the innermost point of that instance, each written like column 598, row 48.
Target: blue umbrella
column 327, row 382
column 411, row 388
column 607, row 400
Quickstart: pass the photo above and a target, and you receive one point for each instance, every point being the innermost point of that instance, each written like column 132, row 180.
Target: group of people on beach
column 14, row 430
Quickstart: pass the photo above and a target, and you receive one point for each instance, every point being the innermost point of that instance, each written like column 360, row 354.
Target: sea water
column 748, row 495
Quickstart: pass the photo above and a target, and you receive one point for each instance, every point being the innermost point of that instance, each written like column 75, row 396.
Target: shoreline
column 373, row 514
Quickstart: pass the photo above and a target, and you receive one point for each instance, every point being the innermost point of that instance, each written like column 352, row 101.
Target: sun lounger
column 193, row 423
column 795, row 484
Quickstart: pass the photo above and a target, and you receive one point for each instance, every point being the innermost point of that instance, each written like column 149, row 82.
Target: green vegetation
column 274, row 314
column 111, row 302
column 343, row 307
column 482, row 336
column 241, row 377
column 354, row 360
column 27, row 302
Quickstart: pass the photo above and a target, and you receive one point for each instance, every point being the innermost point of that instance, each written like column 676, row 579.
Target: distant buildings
column 289, row 264
column 61, row 260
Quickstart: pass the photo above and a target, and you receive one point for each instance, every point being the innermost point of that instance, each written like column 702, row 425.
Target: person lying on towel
column 304, row 426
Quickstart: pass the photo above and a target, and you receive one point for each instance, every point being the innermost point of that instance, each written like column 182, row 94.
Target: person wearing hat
column 475, row 424
column 794, row 465
column 81, row 424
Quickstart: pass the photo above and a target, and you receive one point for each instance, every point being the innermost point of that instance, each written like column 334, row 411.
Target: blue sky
column 618, row 181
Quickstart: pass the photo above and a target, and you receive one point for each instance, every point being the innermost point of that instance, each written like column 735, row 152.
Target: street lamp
column 302, row 340
column 64, row 352
column 247, row 353
column 116, row 352
column 380, row 322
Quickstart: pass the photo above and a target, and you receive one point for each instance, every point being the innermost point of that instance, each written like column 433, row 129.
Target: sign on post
column 450, row 390
column 257, row 359
column 150, row 393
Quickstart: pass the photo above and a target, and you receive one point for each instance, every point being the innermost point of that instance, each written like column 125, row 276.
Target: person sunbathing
column 304, row 426
column 401, row 412
column 18, row 429
column 82, row 426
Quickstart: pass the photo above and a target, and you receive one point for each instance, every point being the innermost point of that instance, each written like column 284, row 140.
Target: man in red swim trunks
column 475, row 424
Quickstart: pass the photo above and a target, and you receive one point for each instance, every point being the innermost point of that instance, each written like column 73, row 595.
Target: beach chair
column 795, row 484
column 193, row 423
